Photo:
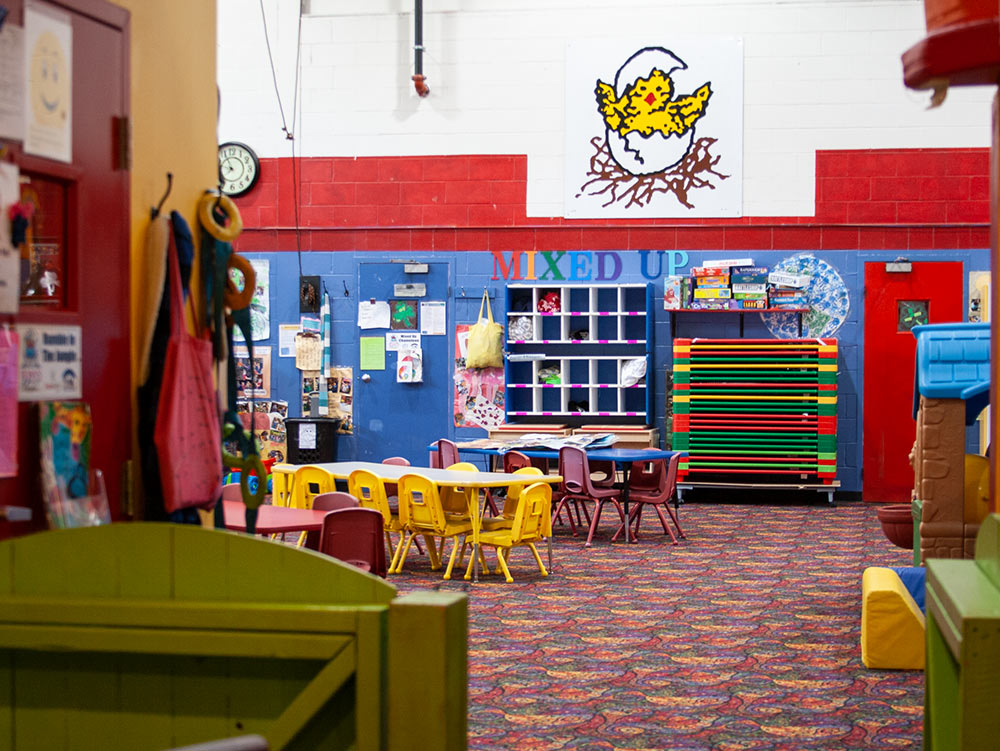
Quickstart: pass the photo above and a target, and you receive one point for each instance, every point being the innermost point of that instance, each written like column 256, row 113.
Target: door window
column 910, row 313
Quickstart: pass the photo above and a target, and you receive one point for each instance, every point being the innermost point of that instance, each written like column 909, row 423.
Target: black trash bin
column 312, row 440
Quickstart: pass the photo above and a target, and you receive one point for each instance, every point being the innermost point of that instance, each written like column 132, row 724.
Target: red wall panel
column 865, row 199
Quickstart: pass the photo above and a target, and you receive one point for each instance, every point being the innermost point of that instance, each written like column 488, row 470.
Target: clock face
column 239, row 168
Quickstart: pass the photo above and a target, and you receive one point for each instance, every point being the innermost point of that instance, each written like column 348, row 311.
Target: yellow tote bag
column 485, row 340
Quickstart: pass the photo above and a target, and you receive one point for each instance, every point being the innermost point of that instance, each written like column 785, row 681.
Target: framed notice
column 49, row 363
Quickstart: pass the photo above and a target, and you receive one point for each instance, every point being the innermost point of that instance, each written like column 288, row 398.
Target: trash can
column 312, row 440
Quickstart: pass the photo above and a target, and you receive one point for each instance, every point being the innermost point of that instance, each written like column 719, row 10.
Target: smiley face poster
column 654, row 129
column 48, row 49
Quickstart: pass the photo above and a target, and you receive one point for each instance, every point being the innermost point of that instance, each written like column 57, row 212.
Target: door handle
column 365, row 377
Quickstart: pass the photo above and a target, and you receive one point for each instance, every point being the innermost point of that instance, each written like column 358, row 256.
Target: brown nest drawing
column 608, row 179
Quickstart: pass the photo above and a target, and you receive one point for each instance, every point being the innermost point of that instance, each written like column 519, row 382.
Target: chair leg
column 538, row 559
column 406, row 549
column 637, row 518
column 491, row 504
column 503, row 566
column 593, row 524
column 432, row 552
column 451, row 560
column 673, row 518
column 569, row 514
column 395, row 550
column 663, row 522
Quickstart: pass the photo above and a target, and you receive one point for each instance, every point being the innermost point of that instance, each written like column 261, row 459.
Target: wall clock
column 239, row 168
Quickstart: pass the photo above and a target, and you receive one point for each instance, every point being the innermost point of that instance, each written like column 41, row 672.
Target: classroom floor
column 743, row 637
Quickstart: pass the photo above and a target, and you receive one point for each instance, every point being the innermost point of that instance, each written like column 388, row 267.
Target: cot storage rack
column 754, row 412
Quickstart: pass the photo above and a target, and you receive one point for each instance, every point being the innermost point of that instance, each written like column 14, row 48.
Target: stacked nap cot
column 756, row 410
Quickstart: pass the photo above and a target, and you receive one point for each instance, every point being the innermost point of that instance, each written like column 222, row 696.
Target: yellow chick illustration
column 647, row 130
column 646, row 106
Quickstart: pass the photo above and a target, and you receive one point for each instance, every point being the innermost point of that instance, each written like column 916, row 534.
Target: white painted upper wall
column 818, row 74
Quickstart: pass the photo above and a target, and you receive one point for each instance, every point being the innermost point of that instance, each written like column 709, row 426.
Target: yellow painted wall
column 173, row 103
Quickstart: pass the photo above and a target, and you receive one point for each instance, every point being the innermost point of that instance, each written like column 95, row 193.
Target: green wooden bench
column 150, row 636
column 963, row 648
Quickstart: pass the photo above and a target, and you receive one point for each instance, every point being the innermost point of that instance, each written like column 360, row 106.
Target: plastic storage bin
column 312, row 440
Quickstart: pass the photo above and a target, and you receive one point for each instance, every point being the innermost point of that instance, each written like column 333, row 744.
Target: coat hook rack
column 170, row 183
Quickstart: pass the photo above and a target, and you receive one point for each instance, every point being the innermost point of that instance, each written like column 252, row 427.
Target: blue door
column 401, row 419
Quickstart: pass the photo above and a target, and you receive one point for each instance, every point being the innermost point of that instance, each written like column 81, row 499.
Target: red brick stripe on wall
column 865, row 200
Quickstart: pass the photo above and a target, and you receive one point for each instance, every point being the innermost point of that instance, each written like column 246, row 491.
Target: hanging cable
column 289, row 134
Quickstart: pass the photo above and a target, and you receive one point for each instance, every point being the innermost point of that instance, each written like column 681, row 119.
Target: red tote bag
column 188, row 437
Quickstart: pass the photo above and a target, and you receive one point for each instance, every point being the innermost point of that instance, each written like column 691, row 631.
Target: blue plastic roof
column 953, row 362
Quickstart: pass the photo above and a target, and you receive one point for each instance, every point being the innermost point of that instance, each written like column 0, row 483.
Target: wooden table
column 273, row 519
column 444, row 478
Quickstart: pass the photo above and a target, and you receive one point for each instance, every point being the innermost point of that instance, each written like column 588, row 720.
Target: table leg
column 626, row 467
column 474, row 513
column 548, row 542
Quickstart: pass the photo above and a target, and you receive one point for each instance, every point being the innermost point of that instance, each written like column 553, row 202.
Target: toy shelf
column 574, row 364
column 756, row 410
column 673, row 317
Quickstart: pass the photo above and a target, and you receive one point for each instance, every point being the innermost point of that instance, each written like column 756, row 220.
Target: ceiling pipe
column 419, row 80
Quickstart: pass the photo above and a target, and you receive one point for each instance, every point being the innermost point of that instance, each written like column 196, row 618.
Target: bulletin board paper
column 308, row 352
column 340, row 385
column 260, row 303
column 253, row 380
column 373, row 314
column 396, row 341
column 372, row 353
column 286, row 339
column 479, row 392
column 50, row 362
column 432, row 317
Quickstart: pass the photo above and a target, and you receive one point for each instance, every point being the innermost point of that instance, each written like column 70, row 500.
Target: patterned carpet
column 744, row 636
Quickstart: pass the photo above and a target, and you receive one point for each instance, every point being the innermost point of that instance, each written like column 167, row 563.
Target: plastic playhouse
column 950, row 491
column 951, row 488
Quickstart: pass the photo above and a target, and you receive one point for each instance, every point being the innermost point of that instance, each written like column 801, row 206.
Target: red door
column 931, row 292
column 86, row 209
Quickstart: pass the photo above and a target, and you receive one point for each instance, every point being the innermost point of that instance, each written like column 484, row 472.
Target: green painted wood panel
column 225, row 635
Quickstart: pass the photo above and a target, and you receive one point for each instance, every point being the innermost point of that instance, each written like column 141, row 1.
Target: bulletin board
column 479, row 392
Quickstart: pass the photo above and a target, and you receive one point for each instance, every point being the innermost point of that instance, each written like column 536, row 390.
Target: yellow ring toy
column 233, row 298
column 222, row 234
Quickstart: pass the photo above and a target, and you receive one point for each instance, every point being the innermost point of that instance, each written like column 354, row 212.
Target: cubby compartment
column 597, row 329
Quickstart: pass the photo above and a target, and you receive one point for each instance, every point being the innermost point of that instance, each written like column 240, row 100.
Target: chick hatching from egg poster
column 654, row 128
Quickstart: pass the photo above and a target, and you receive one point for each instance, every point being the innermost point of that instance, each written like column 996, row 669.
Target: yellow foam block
column 892, row 626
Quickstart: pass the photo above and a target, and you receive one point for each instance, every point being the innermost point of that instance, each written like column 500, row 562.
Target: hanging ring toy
column 205, row 208
column 253, row 499
column 233, row 298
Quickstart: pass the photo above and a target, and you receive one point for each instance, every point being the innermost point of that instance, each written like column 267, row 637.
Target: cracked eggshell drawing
column 654, row 130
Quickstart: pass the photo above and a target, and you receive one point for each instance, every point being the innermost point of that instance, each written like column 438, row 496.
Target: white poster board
column 654, row 128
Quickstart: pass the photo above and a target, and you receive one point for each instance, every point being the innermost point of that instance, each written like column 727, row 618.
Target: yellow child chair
column 370, row 491
column 531, row 522
column 458, row 501
column 281, row 486
column 421, row 513
column 506, row 518
column 309, row 482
